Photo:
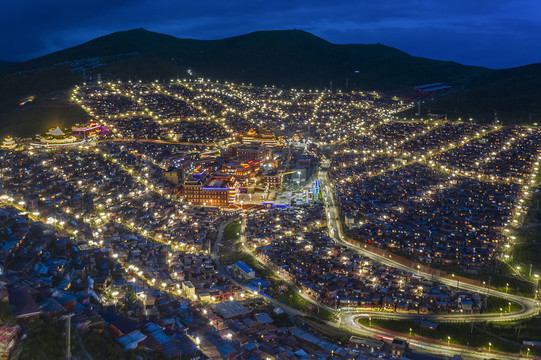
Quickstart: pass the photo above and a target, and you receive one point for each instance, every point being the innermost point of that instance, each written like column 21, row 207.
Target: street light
column 509, row 307
column 528, row 352
column 536, row 276
column 448, row 341
column 410, row 332
column 453, row 275
column 506, row 287
column 489, row 347
column 501, row 310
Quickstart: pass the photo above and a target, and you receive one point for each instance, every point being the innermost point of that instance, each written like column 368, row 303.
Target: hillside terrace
column 323, row 117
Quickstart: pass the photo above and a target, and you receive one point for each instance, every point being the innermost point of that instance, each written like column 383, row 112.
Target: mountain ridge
column 290, row 57
column 284, row 58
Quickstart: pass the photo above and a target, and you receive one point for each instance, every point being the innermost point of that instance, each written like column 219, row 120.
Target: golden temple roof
column 56, row 132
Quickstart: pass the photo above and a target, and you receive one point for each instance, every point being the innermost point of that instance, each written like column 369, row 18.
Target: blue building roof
column 242, row 265
column 428, row 85
column 436, row 88
column 263, row 318
column 227, row 350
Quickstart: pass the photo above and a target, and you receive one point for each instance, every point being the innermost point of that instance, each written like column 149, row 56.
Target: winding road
column 348, row 319
column 529, row 307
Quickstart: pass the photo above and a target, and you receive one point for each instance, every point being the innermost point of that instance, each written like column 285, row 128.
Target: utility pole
column 68, row 334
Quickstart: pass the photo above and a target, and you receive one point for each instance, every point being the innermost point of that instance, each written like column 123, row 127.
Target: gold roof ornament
column 8, row 143
column 55, row 132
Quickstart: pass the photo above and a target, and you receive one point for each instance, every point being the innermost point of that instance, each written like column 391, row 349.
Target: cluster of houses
column 181, row 110
column 50, row 275
column 441, row 193
column 293, row 242
column 256, row 330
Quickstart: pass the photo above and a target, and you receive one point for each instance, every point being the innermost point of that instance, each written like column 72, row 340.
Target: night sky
column 491, row 33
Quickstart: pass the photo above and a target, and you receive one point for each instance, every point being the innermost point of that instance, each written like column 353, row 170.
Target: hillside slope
column 290, row 58
column 6, row 63
column 282, row 58
column 513, row 93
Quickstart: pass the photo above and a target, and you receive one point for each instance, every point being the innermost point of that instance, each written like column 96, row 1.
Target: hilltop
column 289, row 58
column 284, row 58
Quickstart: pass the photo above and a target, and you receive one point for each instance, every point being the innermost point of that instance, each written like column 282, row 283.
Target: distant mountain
column 282, row 58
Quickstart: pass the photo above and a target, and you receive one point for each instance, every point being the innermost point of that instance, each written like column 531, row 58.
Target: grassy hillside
column 514, row 93
column 47, row 85
column 41, row 115
column 299, row 59
column 6, row 63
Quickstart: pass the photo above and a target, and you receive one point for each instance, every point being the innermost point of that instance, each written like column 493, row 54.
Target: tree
column 44, row 341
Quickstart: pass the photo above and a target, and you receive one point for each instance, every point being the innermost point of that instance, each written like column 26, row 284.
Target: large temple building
column 206, row 190
column 88, row 131
column 243, row 171
column 252, row 137
column 8, row 143
column 56, row 138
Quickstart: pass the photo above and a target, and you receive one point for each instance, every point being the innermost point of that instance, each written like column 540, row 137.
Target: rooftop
column 231, row 309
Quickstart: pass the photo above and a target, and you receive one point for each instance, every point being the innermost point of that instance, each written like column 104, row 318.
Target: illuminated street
column 233, row 203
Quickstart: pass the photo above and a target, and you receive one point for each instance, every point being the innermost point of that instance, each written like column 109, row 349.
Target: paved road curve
column 529, row 307
column 349, row 323
column 348, row 320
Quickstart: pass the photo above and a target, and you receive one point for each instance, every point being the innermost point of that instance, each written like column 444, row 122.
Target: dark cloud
column 496, row 33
